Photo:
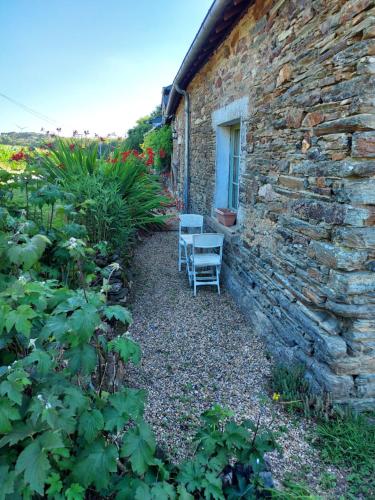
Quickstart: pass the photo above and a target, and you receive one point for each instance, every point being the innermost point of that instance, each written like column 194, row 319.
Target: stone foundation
column 301, row 259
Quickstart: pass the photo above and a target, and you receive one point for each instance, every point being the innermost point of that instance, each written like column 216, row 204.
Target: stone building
column 273, row 115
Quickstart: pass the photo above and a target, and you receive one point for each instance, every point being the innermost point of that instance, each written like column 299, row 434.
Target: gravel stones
column 198, row 352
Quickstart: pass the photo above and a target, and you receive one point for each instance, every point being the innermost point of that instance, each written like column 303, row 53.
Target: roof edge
column 193, row 60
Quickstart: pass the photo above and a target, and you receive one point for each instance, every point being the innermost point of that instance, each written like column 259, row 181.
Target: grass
column 349, row 442
column 343, row 439
column 293, row 490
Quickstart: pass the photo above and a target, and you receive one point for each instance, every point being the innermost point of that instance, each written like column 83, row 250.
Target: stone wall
column 301, row 259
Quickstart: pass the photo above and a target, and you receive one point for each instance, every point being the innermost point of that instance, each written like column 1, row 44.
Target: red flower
column 20, row 156
column 72, row 147
column 162, row 153
column 49, row 145
column 125, row 155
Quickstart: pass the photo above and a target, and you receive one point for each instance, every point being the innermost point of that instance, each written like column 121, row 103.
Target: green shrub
column 159, row 141
column 113, row 198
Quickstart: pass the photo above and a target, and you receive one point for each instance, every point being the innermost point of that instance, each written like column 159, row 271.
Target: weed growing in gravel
column 350, row 442
column 292, row 491
column 328, row 480
column 343, row 438
column 291, row 389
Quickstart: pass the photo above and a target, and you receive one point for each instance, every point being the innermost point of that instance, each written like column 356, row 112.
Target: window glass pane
column 236, row 162
column 234, row 196
column 236, row 145
column 234, row 166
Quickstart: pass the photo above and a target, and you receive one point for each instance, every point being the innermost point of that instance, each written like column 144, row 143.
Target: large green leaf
column 56, row 326
column 20, row 319
column 163, row 491
column 81, row 359
column 28, row 253
column 75, row 492
column 14, row 385
column 118, row 312
column 212, row 485
column 191, row 475
column 139, row 446
column 126, row 348
column 19, row 432
column 83, row 322
column 42, row 359
column 8, row 412
column 6, row 482
column 33, row 462
column 90, row 424
column 95, row 464
column 127, row 404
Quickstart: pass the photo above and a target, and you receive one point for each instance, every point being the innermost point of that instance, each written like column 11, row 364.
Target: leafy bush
column 160, row 141
column 113, row 198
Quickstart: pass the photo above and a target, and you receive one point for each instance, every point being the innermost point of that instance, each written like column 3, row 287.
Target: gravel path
column 198, row 352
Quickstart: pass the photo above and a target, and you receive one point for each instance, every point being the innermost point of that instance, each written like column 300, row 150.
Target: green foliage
column 22, row 139
column 342, row 437
column 160, row 141
column 68, row 427
column 349, row 441
column 136, row 134
column 293, row 490
column 288, row 382
column 112, row 198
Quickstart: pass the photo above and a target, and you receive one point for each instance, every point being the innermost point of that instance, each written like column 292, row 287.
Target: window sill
column 229, row 232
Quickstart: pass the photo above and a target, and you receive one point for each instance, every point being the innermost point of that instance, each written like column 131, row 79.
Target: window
column 234, row 167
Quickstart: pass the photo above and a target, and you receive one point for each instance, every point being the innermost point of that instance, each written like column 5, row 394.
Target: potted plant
column 226, row 217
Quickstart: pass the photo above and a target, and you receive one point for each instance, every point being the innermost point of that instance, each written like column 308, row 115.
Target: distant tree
column 136, row 134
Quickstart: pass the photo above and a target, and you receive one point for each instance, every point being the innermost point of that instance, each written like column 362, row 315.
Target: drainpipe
column 187, row 146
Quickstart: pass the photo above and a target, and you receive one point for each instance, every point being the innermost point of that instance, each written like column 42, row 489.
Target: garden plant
column 69, row 427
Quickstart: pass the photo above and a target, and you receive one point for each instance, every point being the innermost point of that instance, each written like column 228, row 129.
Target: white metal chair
column 206, row 259
column 185, row 239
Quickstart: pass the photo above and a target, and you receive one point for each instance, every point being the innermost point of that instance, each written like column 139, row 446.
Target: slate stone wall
column 301, row 261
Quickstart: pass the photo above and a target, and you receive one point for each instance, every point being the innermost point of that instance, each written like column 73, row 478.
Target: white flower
column 115, row 266
column 72, row 243
column 40, row 397
column 48, row 406
column 32, row 343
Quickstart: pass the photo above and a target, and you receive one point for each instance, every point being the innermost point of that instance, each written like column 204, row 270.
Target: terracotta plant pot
column 226, row 217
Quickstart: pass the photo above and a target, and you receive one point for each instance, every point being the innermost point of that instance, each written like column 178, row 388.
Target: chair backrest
column 191, row 221
column 208, row 240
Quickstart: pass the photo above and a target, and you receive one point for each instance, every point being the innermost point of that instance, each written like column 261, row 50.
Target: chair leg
column 218, row 279
column 195, row 283
column 187, row 261
column 179, row 256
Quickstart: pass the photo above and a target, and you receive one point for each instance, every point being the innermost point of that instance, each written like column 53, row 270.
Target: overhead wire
column 32, row 111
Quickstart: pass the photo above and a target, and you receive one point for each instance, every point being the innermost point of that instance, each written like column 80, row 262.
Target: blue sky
column 90, row 64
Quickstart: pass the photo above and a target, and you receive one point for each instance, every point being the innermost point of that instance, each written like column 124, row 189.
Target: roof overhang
column 219, row 21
